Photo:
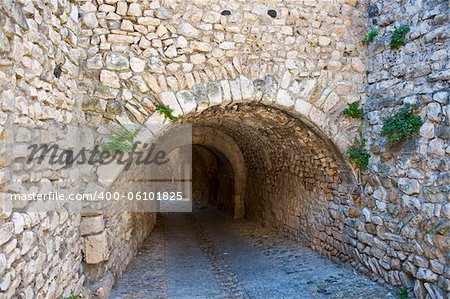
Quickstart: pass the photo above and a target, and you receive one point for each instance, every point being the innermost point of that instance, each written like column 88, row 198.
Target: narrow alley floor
column 207, row 254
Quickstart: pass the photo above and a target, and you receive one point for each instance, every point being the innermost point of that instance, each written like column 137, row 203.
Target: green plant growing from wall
column 354, row 111
column 358, row 155
column 72, row 297
column 166, row 111
column 370, row 36
column 120, row 142
column 403, row 293
column 403, row 125
column 398, row 37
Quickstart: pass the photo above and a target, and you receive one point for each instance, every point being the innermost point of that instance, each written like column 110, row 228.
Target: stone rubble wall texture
column 406, row 220
column 40, row 254
column 117, row 59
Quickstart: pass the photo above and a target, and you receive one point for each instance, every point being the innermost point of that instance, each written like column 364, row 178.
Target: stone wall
column 40, row 253
column 150, row 51
column 407, row 209
column 68, row 68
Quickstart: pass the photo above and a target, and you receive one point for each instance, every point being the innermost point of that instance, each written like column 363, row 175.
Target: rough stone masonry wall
column 191, row 55
column 40, row 254
column 148, row 51
column 406, row 219
column 120, row 57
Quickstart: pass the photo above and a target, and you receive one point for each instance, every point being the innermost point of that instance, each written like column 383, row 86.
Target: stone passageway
column 208, row 254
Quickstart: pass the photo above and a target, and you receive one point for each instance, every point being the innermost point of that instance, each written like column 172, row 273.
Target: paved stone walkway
column 207, row 254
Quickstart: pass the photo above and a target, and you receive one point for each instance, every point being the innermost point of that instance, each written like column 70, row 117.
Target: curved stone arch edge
column 269, row 92
column 156, row 125
column 243, row 90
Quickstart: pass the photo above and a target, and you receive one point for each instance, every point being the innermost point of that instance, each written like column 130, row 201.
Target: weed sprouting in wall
column 354, row 111
column 370, row 36
column 403, row 125
column 166, row 111
column 358, row 155
column 398, row 37
column 120, row 142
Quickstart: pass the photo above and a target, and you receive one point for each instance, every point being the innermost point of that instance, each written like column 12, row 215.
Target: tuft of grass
column 166, row 111
column 354, row 111
column 120, row 142
column 403, row 125
column 403, row 293
column 72, row 297
column 370, row 36
column 357, row 155
column 398, row 37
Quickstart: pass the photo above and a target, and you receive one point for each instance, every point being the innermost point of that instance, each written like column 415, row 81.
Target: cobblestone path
column 207, row 254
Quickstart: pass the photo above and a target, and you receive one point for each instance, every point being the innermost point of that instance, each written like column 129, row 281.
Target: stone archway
column 288, row 175
column 296, row 178
column 295, row 151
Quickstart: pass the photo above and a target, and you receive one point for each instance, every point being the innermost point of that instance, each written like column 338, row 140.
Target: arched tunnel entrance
column 289, row 175
column 267, row 187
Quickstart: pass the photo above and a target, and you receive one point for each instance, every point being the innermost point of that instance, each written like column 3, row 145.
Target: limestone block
column 171, row 52
column 409, row 186
column 235, row 88
column 91, row 225
column 127, row 26
column 2, row 263
column 90, row 20
column 436, row 147
column 19, row 222
column 163, row 13
column 211, row 17
column 169, row 99
column 284, row 99
column 187, row 30
column 95, row 62
column 134, row 10
column 226, row 91
column 120, row 39
column 148, row 21
column 139, row 83
column 117, row 61
column 152, row 82
column 198, row 59
column 187, row 100
column 109, row 78
column 4, row 42
column 433, row 111
column 247, row 88
column 214, row 93
column 137, row 65
column 95, row 248
column 427, row 130
column 201, row 47
column 26, row 241
column 426, row 275
column 122, row 8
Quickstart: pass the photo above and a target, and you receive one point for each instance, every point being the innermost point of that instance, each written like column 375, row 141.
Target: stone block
column 6, row 232
column 91, row 225
column 95, row 248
